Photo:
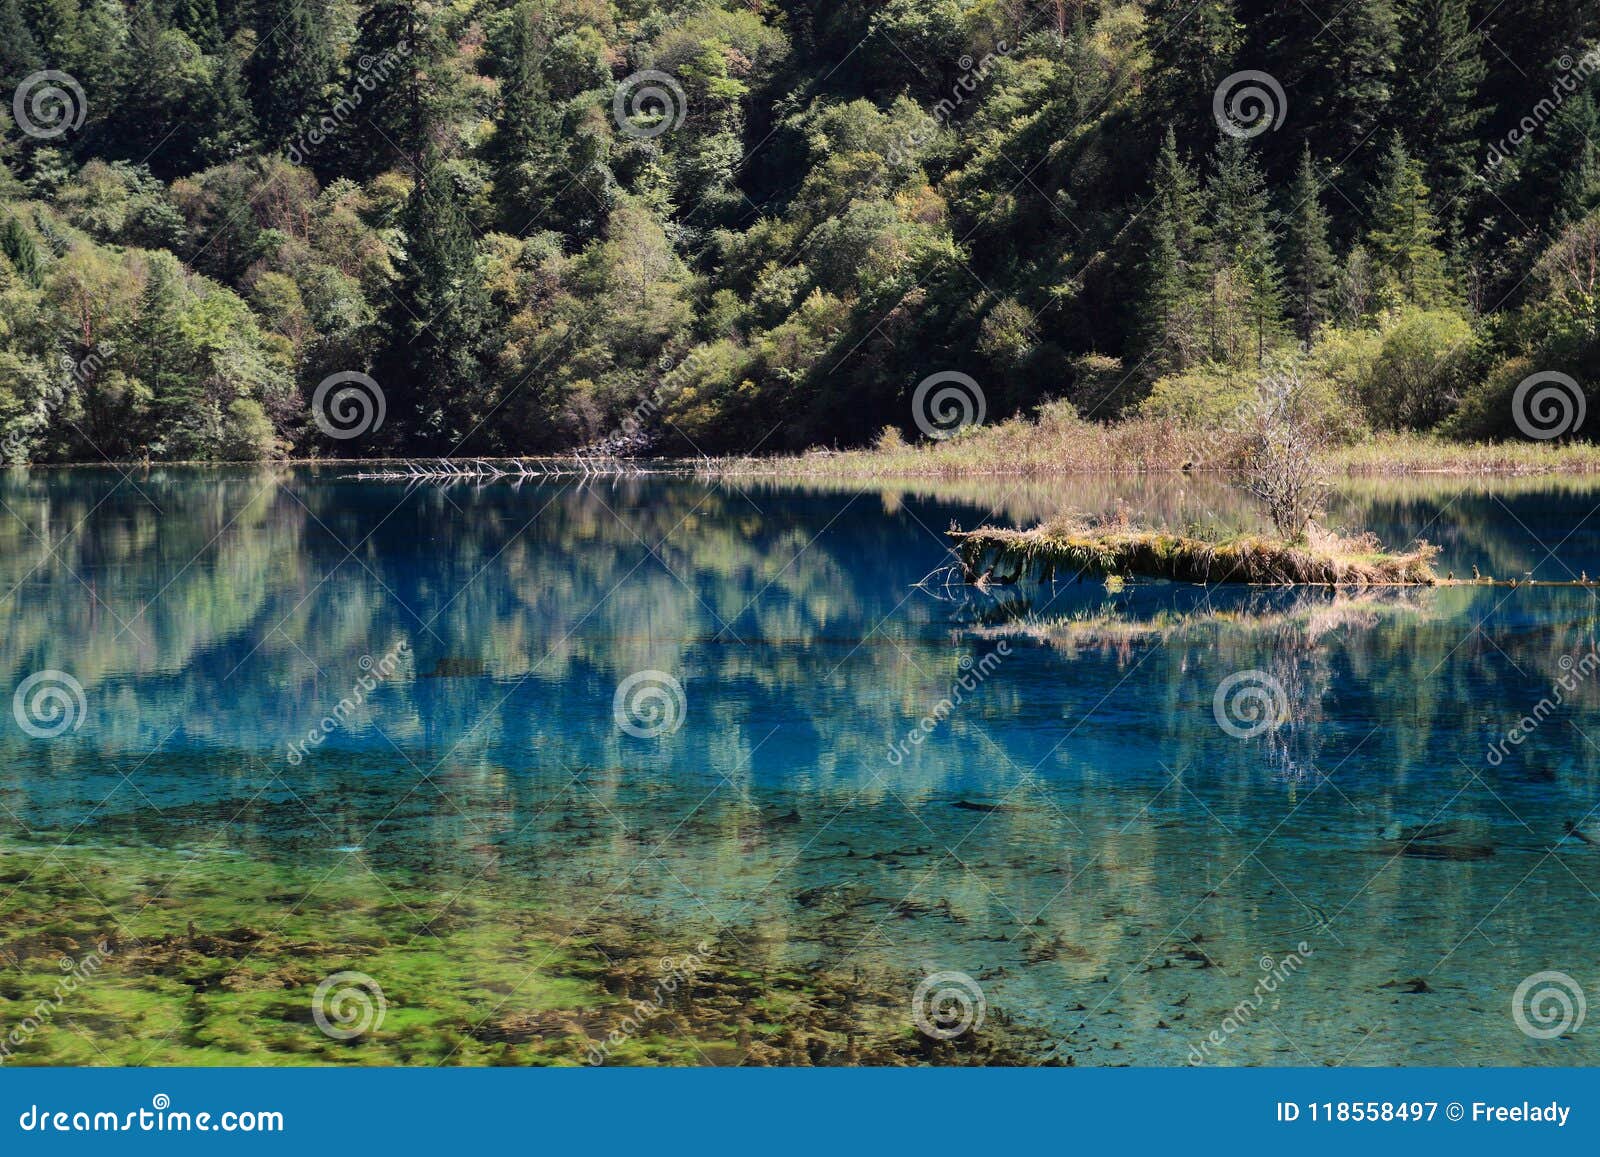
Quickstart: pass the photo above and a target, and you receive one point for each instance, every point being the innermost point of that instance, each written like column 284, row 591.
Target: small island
column 1078, row 546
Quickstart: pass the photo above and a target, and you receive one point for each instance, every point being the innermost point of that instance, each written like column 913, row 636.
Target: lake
column 305, row 768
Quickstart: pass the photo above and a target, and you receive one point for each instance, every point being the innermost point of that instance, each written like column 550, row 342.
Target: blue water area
column 763, row 713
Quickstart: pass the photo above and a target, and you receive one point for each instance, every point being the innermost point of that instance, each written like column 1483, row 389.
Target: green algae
column 215, row 959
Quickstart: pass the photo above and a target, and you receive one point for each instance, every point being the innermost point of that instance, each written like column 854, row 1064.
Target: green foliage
column 1417, row 378
column 1408, row 265
column 1307, row 254
column 1438, row 105
column 840, row 201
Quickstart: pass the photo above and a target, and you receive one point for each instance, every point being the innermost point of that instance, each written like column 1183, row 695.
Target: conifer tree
column 1408, row 265
column 1192, row 46
column 291, row 66
column 1308, row 256
column 19, row 54
column 434, row 369
column 526, row 150
column 1438, row 104
column 198, row 20
column 1243, row 246
column 1345, row 64
column 1171, row 299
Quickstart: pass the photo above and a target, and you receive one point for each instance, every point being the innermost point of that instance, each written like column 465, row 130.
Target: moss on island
column 1074, row 546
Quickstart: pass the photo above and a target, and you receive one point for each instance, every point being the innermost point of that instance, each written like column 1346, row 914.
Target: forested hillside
column 760, row 224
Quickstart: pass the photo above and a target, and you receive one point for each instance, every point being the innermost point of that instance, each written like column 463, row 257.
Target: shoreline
column 1013, row 450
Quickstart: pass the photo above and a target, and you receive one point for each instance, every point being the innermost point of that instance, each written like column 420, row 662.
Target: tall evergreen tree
column 198, row 20
column 1308, row 257
column 55, row 25
column 1192, row 46
column 176, row 399
column 19, row 53
column 1343, row 67
column 434, row 369
column 389, row 125
column 291, row 66
column 1438, row 104
column 224, row 109
column 1171, row 308
column 526, row 150
column 1245, row 277
column 1409, row 267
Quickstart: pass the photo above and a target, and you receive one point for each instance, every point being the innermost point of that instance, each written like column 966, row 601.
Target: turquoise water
column 1111, row 867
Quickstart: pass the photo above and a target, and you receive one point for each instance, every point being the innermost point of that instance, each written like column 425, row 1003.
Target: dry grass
column 1075, row 546
column 1056, row 444
column 1423, row 454
column 1052, row 445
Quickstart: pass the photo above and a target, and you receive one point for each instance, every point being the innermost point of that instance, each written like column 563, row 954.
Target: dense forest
column 255, row 228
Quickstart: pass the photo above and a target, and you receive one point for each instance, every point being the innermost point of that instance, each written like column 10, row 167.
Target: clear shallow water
column 1141, row 863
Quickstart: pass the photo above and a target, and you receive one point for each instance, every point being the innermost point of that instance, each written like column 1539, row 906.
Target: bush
column 1418, row 377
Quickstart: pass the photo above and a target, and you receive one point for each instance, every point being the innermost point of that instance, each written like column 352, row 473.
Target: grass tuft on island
column 1074, row 546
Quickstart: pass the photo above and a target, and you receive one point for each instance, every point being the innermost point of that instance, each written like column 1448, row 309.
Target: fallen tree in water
column 1072, row 547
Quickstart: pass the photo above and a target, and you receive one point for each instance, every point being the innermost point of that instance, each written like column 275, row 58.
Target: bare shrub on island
column 1282, row 457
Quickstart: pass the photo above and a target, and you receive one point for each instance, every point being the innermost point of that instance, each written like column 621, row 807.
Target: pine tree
column 17, row 246
column 388, row 128
column 1408, row 265
column 149, row 117
column 1192, row 46
column 1172, row 299
column 1577, row 131
column 526, row 151
column 1344, row 66
column 19, row 54
column 1438, row 104
column 291, row 66
column 1243, row 249
column 55, row 25
column 198, row 20
column 225, row 111
column 434, row 369
column 1307, row 254
column 157, row 348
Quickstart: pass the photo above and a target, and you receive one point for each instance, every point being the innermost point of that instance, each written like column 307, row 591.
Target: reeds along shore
column 994, row 555
column 1053, row 445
